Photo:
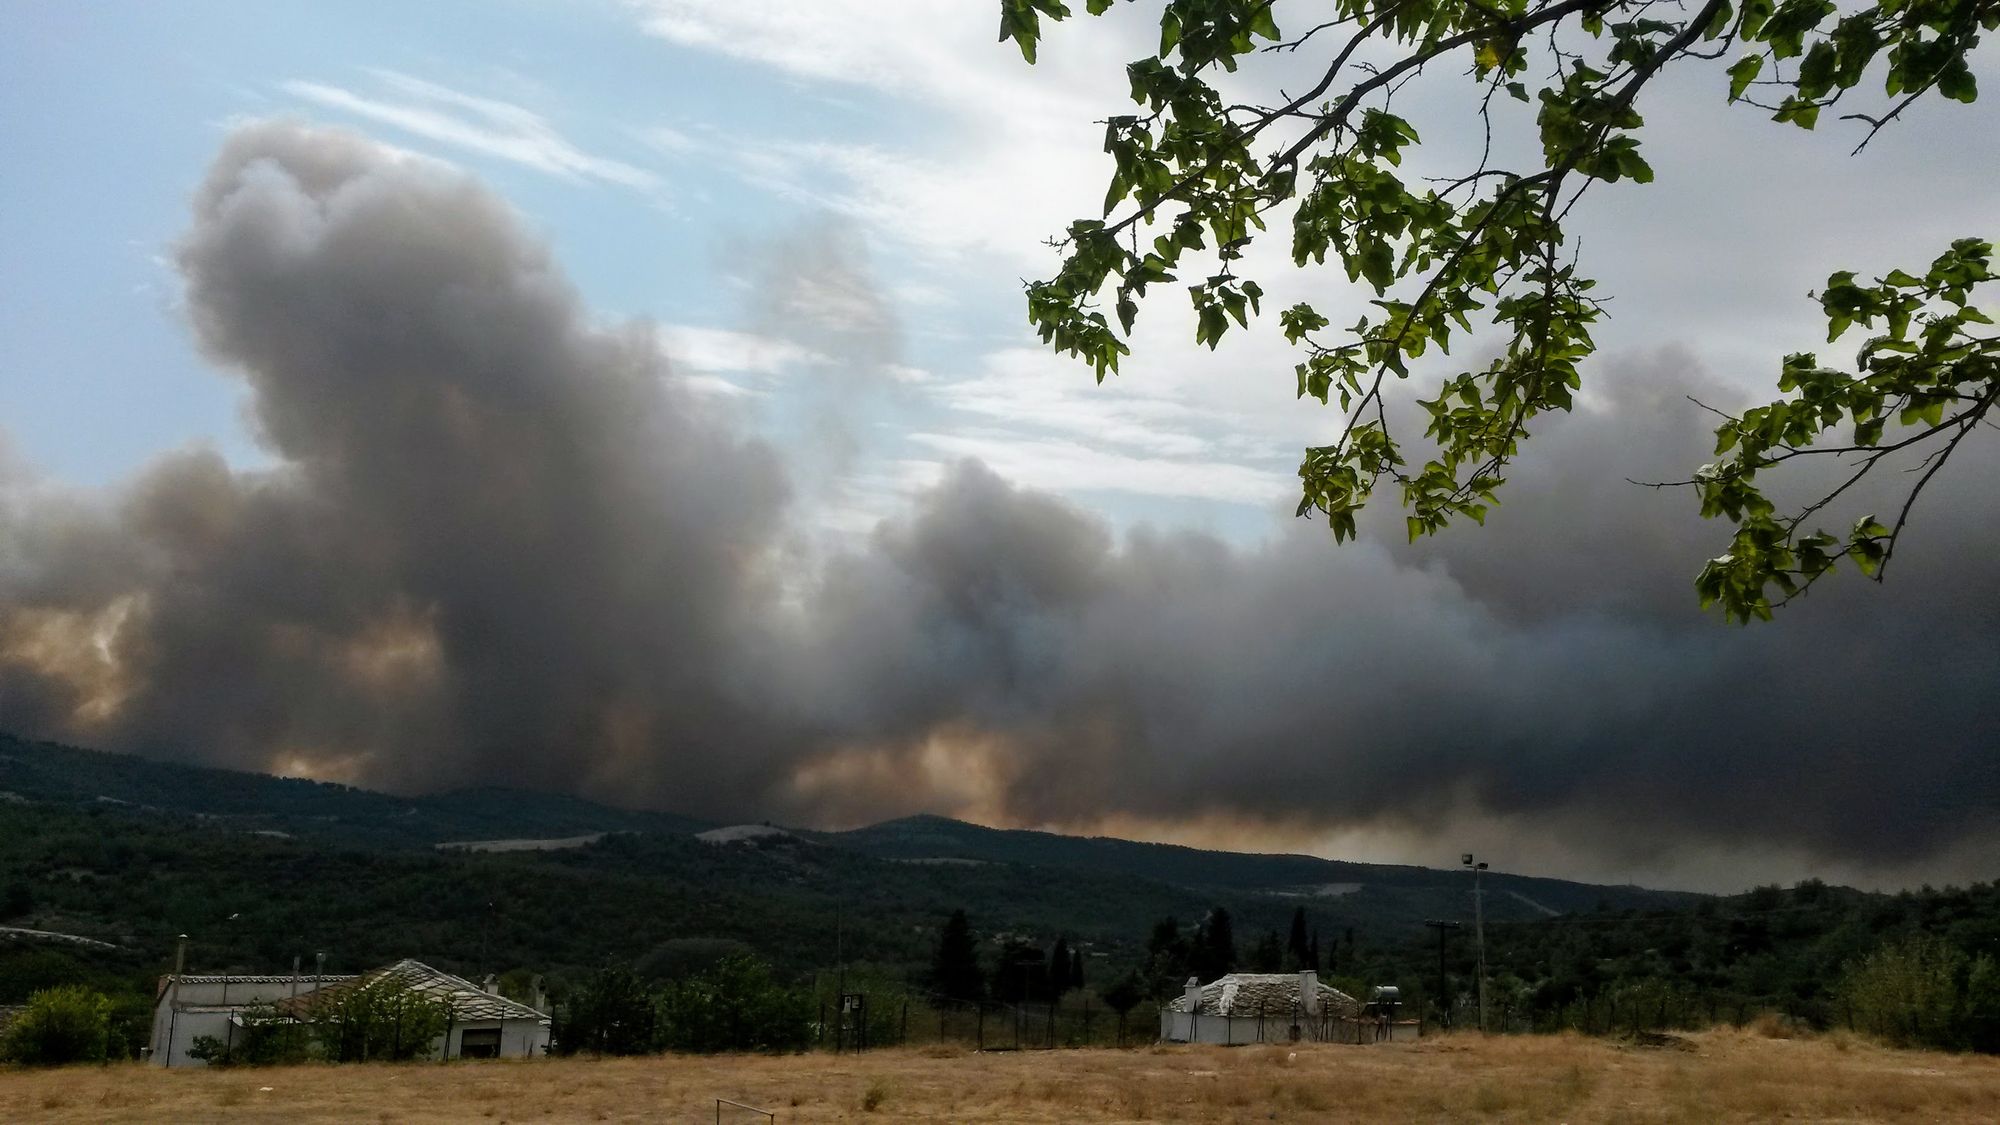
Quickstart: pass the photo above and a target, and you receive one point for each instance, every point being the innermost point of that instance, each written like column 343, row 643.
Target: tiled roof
column 467, row 1001
column 1273, row 994
column 306, row 981
column 269, row 978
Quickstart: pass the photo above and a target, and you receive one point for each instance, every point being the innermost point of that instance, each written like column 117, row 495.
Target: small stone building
column 1246, row 1008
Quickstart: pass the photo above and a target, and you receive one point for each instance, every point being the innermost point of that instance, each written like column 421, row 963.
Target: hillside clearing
column 1718, row 1076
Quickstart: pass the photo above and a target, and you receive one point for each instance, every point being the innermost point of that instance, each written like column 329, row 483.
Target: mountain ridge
column 53, row 772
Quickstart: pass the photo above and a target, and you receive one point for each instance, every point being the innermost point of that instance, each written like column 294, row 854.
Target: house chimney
column 1193, row 994
column 492, row 984
column 1309, row 991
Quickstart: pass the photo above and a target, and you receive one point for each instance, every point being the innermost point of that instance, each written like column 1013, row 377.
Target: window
column 479, row 1043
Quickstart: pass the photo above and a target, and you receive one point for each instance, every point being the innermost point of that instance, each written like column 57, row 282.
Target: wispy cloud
column 1060, row 465
column 721, row 351
column 483, row 125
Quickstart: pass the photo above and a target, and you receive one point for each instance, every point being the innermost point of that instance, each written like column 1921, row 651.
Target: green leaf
column 1261, row 23
column 1744, row 72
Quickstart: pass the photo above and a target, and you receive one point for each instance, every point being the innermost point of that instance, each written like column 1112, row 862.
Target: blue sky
column 669, row 148
column 663, row 169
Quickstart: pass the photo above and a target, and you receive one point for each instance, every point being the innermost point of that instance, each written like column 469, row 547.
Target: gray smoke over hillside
column 501, row 544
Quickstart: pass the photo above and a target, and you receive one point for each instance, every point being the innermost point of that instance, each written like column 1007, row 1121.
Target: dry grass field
column 1710, row 1077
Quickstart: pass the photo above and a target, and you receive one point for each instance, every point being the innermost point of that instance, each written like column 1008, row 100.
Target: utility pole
column 1479, row 931
column 1444, row 986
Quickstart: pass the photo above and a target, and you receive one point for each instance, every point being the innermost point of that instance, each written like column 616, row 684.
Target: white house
column 481, row 1023
column 1259, row 1008
column 188, row 1007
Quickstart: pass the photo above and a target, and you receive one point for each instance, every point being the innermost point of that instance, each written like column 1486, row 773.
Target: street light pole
column 1479, row 931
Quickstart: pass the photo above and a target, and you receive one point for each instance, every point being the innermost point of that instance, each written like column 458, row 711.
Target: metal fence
column 918, row 1020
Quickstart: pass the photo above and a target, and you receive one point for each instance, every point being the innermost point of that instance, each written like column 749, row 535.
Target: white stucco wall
column 1184, row 1027
column 192, row 1011
column 1238, row 1031
column 519, row 1039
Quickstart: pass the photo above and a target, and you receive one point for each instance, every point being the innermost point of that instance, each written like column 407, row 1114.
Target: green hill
column 48, row 773
column 1300, row 877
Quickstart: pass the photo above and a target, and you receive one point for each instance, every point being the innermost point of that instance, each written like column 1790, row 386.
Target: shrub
column 66, row 1024
column 735, row 1007
column 610, row 1014
column 381, row 1019
column 1925, row 992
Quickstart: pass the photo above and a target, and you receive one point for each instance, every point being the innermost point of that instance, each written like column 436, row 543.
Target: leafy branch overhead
column 1196, row 177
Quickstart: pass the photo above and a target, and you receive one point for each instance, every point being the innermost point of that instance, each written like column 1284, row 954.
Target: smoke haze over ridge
column 503, row 543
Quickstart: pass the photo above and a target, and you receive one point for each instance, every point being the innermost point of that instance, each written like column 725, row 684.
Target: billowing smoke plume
column 500, row 544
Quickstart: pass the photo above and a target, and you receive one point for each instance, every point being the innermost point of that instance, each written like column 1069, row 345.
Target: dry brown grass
column 1727, row 1076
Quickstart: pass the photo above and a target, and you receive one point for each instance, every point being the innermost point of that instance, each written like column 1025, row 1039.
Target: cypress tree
column 1316, row 962
column 955, row 971
column 1297, row 946
column 1267, row 956
column 1215, row 945
column 1076, row 968
column 1059, row 982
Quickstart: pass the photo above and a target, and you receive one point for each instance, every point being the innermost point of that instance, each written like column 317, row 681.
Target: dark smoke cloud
column 501, row 544
column 1551, row 671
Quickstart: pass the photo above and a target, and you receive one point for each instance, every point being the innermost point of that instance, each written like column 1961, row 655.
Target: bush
column 383, row 1019
column 1925, row 992
column 67, row 1024
column 735, row 1007
column 264, row 1040
column 610, row 1014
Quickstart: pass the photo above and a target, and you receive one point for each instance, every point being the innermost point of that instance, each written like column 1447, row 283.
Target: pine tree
column 955, row 971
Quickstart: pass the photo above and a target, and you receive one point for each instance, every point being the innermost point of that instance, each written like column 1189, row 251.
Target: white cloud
column 1037, row 390
column 719, row 350
column 992, row 156
column 483, row 125
column 1060, row 465
column 939, row 50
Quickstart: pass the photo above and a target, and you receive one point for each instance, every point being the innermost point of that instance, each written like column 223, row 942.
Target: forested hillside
column 257, row 871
